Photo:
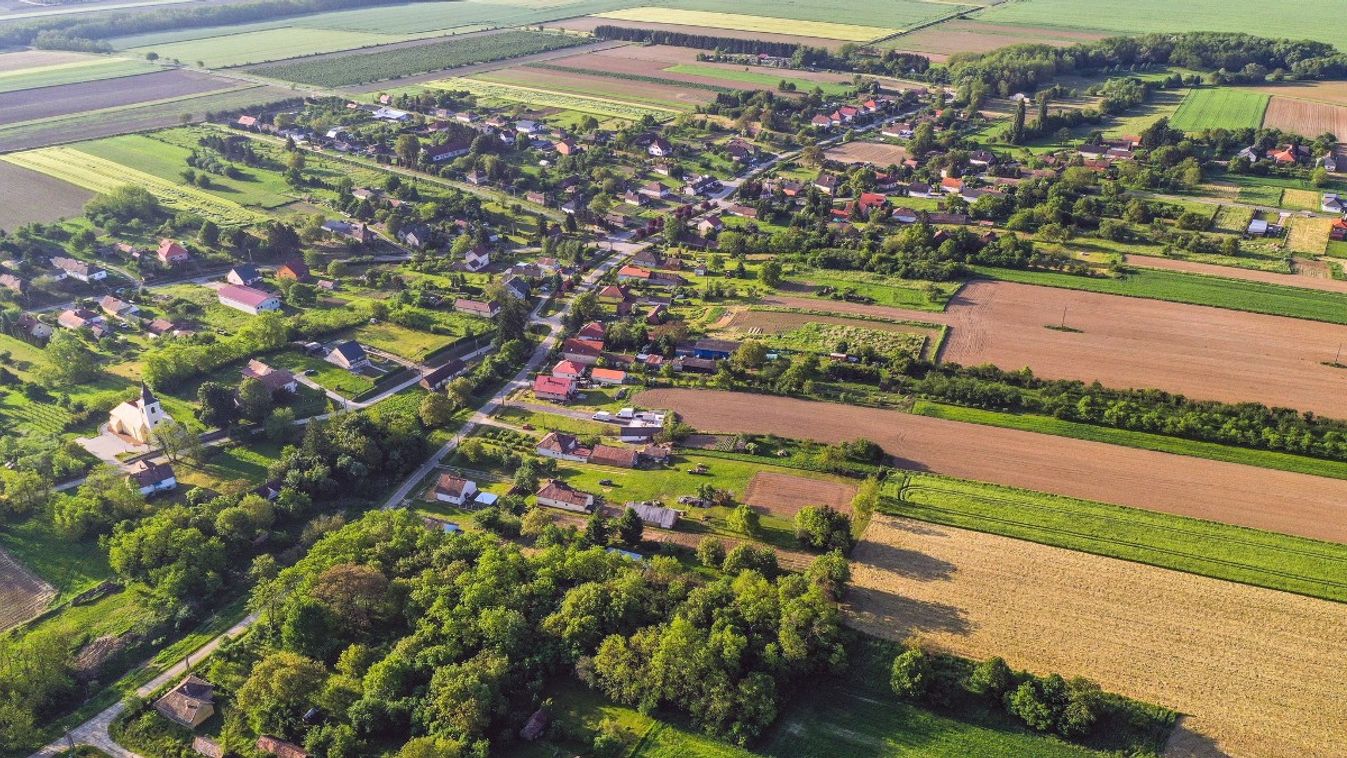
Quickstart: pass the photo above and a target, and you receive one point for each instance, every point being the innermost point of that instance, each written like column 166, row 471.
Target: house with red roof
column 172, row 254
column 554, row 388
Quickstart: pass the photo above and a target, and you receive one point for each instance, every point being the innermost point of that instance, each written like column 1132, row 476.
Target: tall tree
column 1017, row 126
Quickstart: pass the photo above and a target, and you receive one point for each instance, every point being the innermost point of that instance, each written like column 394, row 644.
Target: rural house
column 607, row 455
column 116, row 307
column 562, row 447
column 557, row 494
column 454, row 489
column 276, row 380
column 437, row 378
column 171, row 253
column 656, row 515
column 476, row 307
column 247, row 299
column 188, row 704
column 243, row 275
column 294, row 270
column 279, row 747
column 348, row 355
column 76, row 269
column 152, row 478
column 554, row 389
column 14, row 284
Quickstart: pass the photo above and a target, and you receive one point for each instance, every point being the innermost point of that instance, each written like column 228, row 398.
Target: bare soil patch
column 964, row 36
column 590, row 23
column 1310, row 274
column 1231, row 493
column 1202, row 352
column 27, row 197
column 1305, row 117
column 1258, row 671
column 23, row 594
column 874, row 153
column 27, row 105
column 784, row 495
column 35, row 58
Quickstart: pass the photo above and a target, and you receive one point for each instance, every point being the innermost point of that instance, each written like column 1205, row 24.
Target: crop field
column 881, row 13
column 100, row 175
column 23, row 594
column 877, row 154
column 403, row 61
column 1248, row 556
column 761, row 78
column 785, row 494
column 1141, row 16
column 27, row 196
column 1229, row 493
column 1301, row 200
column 1333, row 92
column 1305, row 117
column 1204, row 353
column 969, row 36
column 1306, row 281
column 263, row 46
column 1223, row 108
column 87, row 70
column 32, row 59
column 749, row 23
column 19, row 107
column 546, row 99
column 670, row 95
column 1260, row 195
column 1308, row 235
column 1179, row 640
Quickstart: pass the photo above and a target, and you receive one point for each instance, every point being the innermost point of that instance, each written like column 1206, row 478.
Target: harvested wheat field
column 966, row 36
column 1231, row 493
column 1333, row 92
column 1305, row 117
column 1205, row 353
column 784, row 495
column 23, row 594
column 1258, row 672
column 874, row 153
column 1311, row 275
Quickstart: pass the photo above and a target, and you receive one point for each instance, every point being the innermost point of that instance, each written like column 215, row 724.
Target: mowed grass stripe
column 1222, row 108
column 99, row 175
column 746, row 23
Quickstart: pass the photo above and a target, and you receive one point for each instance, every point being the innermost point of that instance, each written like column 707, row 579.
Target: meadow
column 360, row 68
column 749, row 23
column 1222, row 108
column 546, row 99
column 100, row 175
column 1232, row 553
column 263, row 46
column 1194, row 289
column 1310, row 19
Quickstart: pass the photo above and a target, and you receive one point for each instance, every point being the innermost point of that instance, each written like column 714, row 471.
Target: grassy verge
column 1195, row 289
column 1220, row 551
column 1272, row 459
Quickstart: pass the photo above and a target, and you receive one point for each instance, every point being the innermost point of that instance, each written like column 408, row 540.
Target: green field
column 69, row 73
column 902, row 14
column 598, row 106
column 1196, row 289
column 743, row 22
column 1272, row 459
column 1310, row 19
column 1220, row 109
column 264, row 46
column 758, row 79
column 359, row 68
column 825, row 338
column 1220, row 551
column 902, row 293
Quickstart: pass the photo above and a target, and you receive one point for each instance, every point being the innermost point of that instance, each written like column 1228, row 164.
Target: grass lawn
column 399, row 340
column 1272, row 459
column 1264, row 559
column 1220, row 108
column 70, row 567
column 554, row 422
column 335, row 378
column 1197, row 289
column 1260, row 195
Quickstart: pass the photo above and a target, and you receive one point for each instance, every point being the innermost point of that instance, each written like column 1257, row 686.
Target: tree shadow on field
column 897, row 617
column 1184, row 742
column 911, row 564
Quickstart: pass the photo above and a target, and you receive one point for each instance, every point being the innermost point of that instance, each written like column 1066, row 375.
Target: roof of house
column 272, row 378
column 593, row 330
column 169, row 248
column 716, row 345
column 149, row 474
column 475, row 306
column 297, row 269
column 555, row 489
column 184, row 702
column 448, row 371
column 608, row 374
column 453, row 486
column 664, row 518
column 564, row 368
column 161, row 325
column 244, row 295
column 608, row 455
column 558, row 442
column 551, row 385
column 246, row 272
column 350, row 350
column 279, row 747
column 582, row 347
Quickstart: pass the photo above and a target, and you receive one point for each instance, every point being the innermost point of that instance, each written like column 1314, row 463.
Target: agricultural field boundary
column 99, row 175
column 533, row 96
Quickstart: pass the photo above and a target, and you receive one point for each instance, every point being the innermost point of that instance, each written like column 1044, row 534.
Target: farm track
column 1257, row 671
column 1230, row 493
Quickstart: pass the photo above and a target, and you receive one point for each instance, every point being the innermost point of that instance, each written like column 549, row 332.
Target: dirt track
column 1257, row 670
column 1259, row 498
column 1204, row 353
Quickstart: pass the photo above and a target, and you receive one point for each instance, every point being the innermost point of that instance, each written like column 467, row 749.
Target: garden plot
column 23, row 594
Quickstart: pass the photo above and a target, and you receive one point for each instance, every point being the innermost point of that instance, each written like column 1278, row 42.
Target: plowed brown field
column 784, row 495
column 1304, row 117
column 1258, row 671
column 1205, row 353
column 1278, row 501
column 874, row 153
column 23, row 594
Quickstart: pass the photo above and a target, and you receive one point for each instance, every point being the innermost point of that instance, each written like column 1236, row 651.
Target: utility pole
column 1063, row 317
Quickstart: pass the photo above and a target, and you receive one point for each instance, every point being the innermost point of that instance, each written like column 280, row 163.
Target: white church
column 138, row 418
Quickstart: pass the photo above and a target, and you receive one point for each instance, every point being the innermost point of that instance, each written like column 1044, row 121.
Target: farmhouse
column 554, row 388
column 188, row 704
column 517, row 288
column 279, row 747
column 607, row 455
column 77, row 269
column 562, row 447
column 151, row 478
column 356, row 231
column 454, row 489
column 656, row 515
column 594, row 330
column 1333, row 203
column 116, row 307
column 34, row 327
column 714, row 349
column 584, row 352
column 244, row 275
column 557, row 494
column 446, row 152
column 477, row 258
column 476, row 307
column 171, row 253
column 294, row 270
column 247, row 299
column 568, row 370
column 349, row 355
column 437, row 378
column 276, row 380
column 608, row 376
column 138, row 418
column 660, row 147
column 79, row 318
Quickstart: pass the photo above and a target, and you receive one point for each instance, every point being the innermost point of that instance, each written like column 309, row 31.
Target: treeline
column 1252, row 425
column 920, row 251
column 88, row 32
column 698, row 41
column 423, row 643
column 1024, row 67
